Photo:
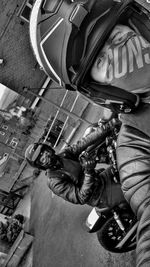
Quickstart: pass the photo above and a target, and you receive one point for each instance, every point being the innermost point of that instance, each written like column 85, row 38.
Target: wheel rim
column 113, row 233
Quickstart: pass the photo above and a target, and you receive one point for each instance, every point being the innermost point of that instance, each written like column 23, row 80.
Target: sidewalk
column 24, row 208
column 20, row 253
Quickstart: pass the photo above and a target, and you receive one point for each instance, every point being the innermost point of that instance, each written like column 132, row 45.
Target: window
column 25, row 10
column 5, row 127
column 13, row 142
column 2, row 133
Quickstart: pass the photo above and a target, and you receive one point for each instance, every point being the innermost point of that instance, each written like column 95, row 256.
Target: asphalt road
column 60, row 236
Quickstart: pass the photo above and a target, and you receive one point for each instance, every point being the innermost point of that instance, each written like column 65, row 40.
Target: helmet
column 66, row 35
column 40, row 155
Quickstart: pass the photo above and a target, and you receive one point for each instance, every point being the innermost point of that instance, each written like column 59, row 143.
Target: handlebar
column 85, row 156
column 108, row 144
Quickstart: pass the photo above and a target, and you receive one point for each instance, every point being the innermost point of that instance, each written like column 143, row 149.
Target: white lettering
column 134, row 54
column 109, row 73
column 146, row 45
column 120, row 61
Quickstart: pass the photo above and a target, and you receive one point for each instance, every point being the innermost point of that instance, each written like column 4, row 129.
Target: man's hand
column 88, row 164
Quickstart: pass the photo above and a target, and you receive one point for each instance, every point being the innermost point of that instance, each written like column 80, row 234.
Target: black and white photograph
column 75, row 133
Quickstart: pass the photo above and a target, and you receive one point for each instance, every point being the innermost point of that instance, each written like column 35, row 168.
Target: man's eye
column 99, row 60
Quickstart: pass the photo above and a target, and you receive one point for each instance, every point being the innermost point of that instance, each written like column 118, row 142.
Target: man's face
column 45, row 158
column 100, row 69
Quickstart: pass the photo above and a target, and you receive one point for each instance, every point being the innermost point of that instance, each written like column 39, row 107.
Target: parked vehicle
column 115, row 227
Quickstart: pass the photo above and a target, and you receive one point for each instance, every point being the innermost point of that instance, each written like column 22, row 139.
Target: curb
column 18, row 249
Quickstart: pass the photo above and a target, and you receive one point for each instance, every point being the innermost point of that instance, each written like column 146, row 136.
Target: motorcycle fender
column 96, row 219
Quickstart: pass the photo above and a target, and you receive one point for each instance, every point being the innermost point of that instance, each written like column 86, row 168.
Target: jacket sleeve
column 65, row 187
column 95, row 138
column 133, row 160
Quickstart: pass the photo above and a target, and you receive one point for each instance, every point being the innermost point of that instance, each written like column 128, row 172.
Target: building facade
column 18, row 66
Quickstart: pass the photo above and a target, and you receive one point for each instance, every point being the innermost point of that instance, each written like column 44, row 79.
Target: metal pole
column 58, row 111
column 73, row 115
column 77, row 96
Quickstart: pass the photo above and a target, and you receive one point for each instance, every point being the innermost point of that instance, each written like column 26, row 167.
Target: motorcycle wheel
column 110, row 235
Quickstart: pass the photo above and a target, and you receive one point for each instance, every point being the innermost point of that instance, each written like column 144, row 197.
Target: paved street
column 60, row 236
column 58, row 226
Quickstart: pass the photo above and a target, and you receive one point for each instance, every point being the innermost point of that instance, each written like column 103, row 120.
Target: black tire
column 110, row 234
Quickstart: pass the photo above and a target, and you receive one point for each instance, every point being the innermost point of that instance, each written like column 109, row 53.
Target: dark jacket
column 79, row 186
column 133, row 159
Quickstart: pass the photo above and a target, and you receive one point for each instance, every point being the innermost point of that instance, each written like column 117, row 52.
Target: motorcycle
column 115, row 227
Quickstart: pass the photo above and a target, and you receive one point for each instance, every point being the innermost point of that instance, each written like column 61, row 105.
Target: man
column 124, row 62
column 74, row 181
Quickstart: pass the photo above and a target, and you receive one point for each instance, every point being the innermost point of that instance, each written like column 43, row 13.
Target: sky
column 6, row 96
column 2, row 90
